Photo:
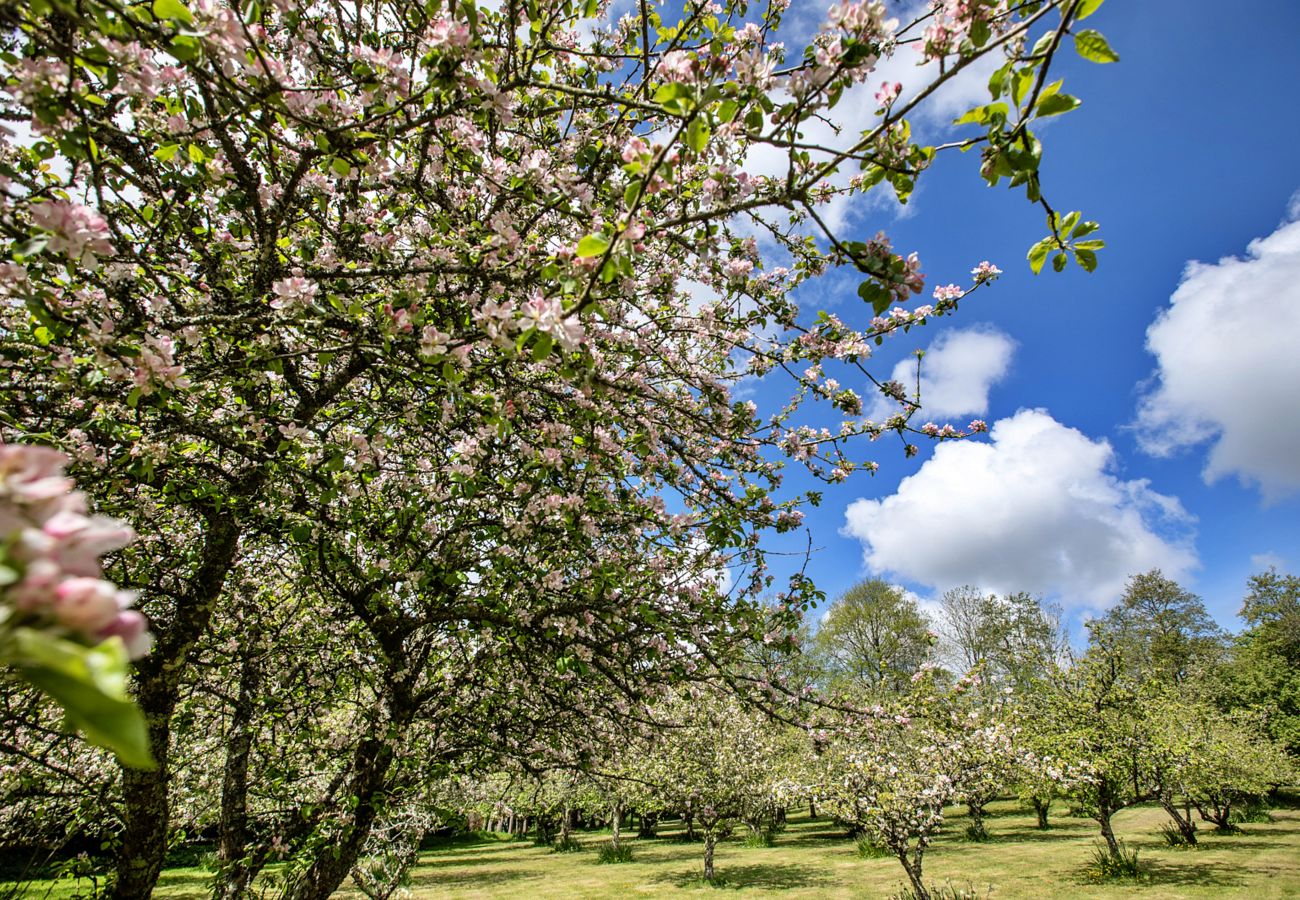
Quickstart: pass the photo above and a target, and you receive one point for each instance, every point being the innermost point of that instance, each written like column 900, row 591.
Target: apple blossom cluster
column 76, row 230
column 51, row 551
column 958, row 21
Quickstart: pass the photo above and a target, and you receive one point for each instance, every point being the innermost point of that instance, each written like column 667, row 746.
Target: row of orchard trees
column 1134, row 719
column 402, row 336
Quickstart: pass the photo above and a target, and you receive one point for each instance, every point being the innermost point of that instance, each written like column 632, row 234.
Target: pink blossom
column 888, row 93
column 77, row 230
column 293, row 293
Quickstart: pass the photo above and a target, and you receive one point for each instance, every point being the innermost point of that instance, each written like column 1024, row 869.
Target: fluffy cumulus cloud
column 956, row 373
column 1228, row 368
column 1035, row 509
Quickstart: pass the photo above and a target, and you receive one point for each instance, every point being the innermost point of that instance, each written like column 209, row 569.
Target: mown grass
column 812, row 858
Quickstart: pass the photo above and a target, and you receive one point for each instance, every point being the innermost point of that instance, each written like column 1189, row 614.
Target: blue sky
column 1184, row 151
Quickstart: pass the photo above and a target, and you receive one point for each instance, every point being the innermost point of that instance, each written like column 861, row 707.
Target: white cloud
column 1261, row 561
column 956, row 373
column 1036, row 509
column 1228, row 368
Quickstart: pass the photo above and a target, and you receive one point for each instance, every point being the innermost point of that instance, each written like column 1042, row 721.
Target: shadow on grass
column 1193, row 872
column 828, row 835
column 1035, row 835
column 478, row 879
column 739, row 876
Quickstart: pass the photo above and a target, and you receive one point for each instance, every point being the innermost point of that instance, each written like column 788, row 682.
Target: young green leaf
column 1092, row 46
column 593, row 245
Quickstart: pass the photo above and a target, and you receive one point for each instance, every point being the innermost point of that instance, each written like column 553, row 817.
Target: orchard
column 381, row 457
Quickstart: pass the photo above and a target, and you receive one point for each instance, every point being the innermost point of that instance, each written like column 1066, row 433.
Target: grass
column 815, row 859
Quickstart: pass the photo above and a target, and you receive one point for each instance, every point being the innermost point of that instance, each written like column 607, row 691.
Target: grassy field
column 813, row 859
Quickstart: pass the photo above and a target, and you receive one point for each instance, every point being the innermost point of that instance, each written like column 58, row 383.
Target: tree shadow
column 830, row 834
column 1036, row 835
column 476, row 879
column 1163, row 873
column 739, row 876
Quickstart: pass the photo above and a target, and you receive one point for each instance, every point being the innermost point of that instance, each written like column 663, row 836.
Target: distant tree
column 1012, row 638
column 1263, row 674
column 1161, row 629
column 873, row 639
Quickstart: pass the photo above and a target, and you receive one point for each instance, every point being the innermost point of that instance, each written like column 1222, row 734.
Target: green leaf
column 1087, row 259
column 1056, row 104
column 697, row 135
column 542, row 346
column 341, row 167
column 668, row 92
column 1087, row 8
column 1092, row 46
column 631, row 192
column 90, row 684
column 1038, row 254
column 593, row 245
column 877, row 296
column 172, row 10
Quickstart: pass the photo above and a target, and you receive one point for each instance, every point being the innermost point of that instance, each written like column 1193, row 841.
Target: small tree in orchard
column 1212, row 762
column 1100, row 722
column 889, row 772
column 985, row 751
column 410, row 292
column 717, row 761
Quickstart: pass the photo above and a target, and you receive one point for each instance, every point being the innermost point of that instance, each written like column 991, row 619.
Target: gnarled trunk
column 1040, row 809
column 1186, row 827
column 710, row 841
column 912, row 866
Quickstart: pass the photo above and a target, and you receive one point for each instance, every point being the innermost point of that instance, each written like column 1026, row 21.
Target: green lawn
column 813, row 859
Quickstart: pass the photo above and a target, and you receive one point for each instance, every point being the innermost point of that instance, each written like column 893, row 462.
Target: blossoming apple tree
column 447, row 300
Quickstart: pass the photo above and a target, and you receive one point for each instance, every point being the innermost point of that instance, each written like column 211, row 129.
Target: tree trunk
column 976, row 812
column 812, row 808
column 566, row 825
column 1186, row 827
column 710, row 840
column 146, row 802
column 335, row 859
column 145, row 795
column 913, row 869
column 649, row 822
column 1040, row 809
column 689, row 819
column 1108, row 833
column 616, row 822
column 235, row 872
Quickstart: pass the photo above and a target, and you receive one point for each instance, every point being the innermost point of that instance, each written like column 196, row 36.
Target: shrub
column 611, row 852
column 758, row 839
column 1106, row 865
column 1174, row 837
column 1255, row 810
column 976, row 833
column 566, row 844
column 946, row 891
column 869, row 850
